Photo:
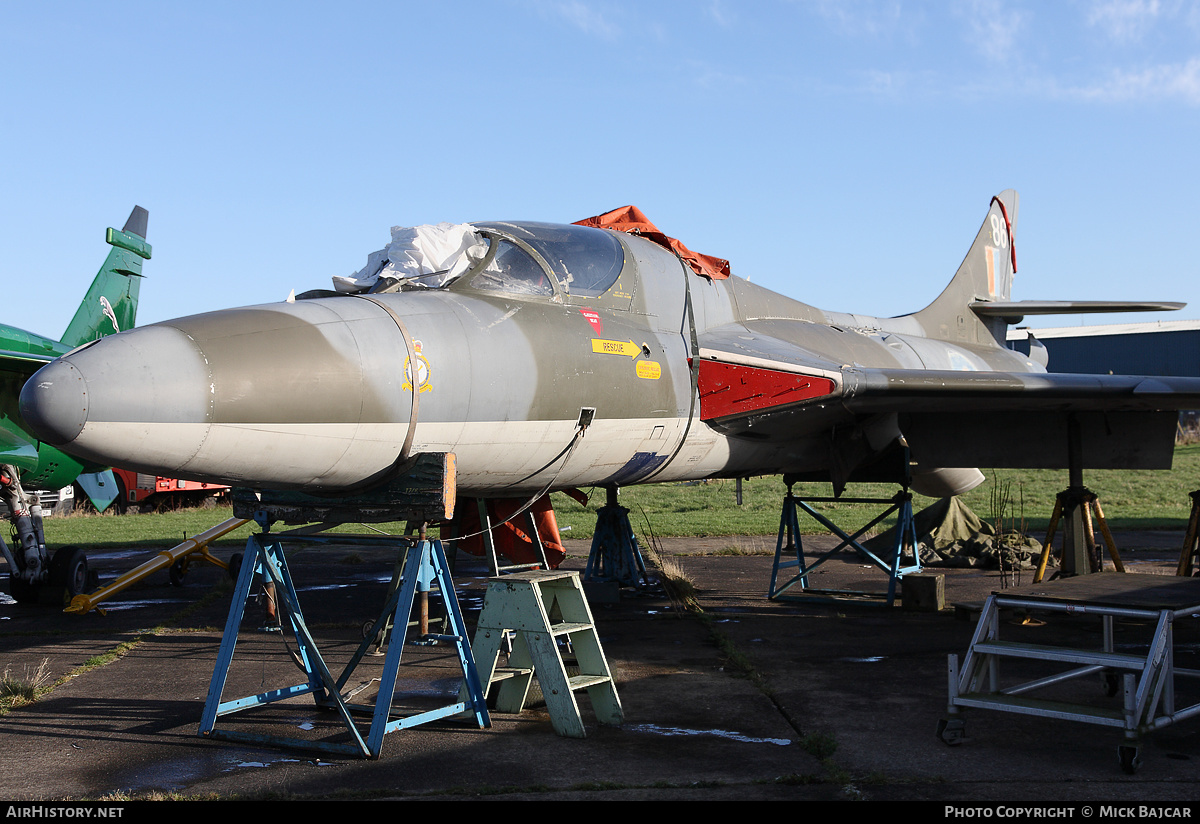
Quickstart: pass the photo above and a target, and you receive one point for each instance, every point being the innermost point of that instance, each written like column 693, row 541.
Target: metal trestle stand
column 789, row 548
column 424, row 565
column 615, row 554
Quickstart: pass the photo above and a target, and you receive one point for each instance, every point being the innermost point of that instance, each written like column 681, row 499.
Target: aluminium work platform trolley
column 1146, row 680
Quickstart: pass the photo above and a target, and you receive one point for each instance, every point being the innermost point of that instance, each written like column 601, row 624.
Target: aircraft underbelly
column 515, row 457
column 281, row 455
column 493, row 457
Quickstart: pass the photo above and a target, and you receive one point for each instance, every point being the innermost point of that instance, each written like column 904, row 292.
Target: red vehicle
column 148, row 493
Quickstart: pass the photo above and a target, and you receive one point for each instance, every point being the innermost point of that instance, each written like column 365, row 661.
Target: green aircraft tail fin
column 111, row 303
column 986, row 275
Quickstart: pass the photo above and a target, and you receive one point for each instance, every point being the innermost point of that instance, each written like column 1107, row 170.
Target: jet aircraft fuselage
column 569, row 356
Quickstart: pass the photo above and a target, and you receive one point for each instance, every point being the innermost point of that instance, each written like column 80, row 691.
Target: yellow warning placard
column 649, row 369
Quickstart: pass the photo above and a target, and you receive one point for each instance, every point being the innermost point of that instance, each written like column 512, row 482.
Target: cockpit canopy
column 524, row 258
column 584, row 261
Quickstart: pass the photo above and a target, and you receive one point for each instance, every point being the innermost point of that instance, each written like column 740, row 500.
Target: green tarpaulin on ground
column 950, row 534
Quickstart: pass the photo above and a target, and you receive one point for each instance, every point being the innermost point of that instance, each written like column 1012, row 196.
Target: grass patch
column 820, row 745
column 17, row 691
column 97, row 661
column 675, row 581
column 1132, row 499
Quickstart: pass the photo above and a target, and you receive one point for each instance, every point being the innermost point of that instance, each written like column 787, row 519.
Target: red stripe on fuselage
column 731, row 389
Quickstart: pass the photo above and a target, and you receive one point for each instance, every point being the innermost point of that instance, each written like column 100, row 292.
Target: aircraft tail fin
column 985, row 276
column 111, row 302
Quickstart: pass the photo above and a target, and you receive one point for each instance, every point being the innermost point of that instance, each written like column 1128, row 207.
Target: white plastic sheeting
column 432, row 255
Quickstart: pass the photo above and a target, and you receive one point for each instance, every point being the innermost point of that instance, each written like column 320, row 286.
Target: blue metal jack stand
column 424, row 564
column 615, row 554
column 790, row 543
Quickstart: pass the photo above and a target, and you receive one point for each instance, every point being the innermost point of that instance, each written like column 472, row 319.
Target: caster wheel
column 952, row 731
column 1130, row 757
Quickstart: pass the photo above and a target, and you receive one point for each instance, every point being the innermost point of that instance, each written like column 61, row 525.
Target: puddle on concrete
column 324, row 587
column 350, row 581
column 181, row 773
column 121, row 606
column 733, row 736
column 140, row 555
column 873, row 659
column 260, row 763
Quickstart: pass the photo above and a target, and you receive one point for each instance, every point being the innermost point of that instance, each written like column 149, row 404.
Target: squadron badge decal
column 422, row 370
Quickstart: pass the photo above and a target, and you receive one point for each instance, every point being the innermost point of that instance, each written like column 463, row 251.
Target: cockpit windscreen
column 586, row 261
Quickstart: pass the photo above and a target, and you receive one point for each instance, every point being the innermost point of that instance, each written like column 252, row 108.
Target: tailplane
column 975, row 307
column 111, row 303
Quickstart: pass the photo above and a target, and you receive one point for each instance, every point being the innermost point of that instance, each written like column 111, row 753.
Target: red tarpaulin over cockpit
column 631, row 219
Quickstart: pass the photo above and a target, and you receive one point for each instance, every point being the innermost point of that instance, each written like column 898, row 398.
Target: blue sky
column 843, row 153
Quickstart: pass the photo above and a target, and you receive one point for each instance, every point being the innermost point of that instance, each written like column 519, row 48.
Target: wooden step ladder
column 539, row 608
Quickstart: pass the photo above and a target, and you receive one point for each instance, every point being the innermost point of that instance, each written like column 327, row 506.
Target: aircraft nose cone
column 54, row 403
column 127, row 381
column 280, row 396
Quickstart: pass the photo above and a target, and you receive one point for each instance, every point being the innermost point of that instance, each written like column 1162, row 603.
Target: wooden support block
column 923, row 592
column 423, row 490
